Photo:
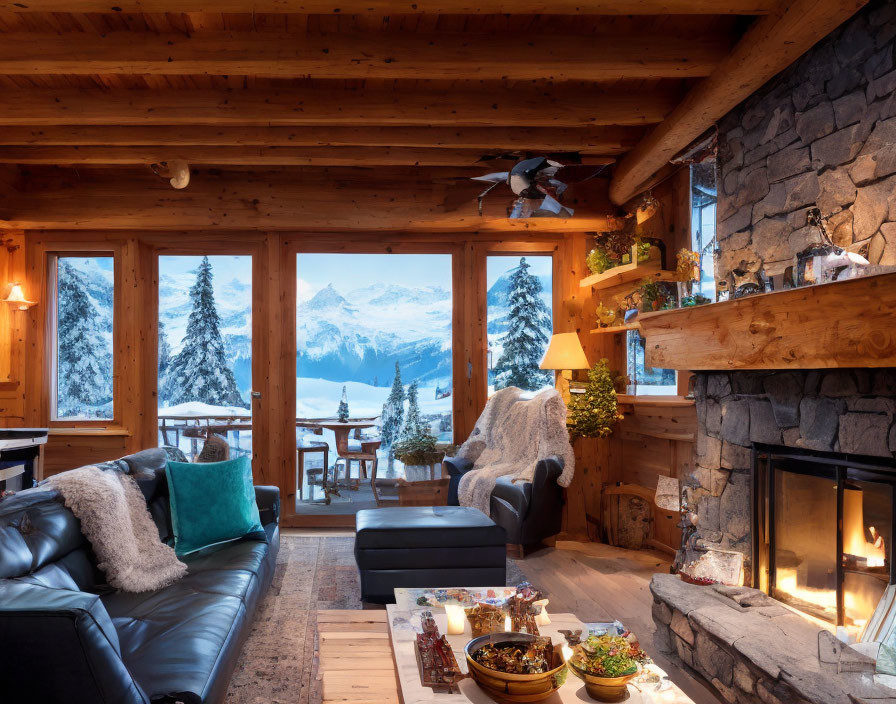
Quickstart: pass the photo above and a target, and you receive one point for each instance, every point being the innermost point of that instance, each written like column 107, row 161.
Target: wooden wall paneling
column 12, row 331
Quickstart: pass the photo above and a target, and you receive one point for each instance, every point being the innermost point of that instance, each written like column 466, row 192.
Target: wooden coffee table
column 367, row 657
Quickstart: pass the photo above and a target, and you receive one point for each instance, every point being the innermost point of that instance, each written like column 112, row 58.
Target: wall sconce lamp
column 16, row 298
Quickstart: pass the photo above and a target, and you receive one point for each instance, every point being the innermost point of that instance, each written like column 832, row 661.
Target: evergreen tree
column 527, row 335
column 199, row 372
column 84, row 358
column 164, row 350
column 413, row 424
column 342, row 413
column 393, row 410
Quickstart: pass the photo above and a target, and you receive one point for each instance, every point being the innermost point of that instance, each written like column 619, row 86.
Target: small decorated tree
column 342, row 412
column 594, row 413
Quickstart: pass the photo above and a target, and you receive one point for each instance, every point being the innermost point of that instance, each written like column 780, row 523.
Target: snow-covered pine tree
column 199, row 372
column 393, row 410
column 342, row 412
column 527, row 334
column 413, row 424
column 84, row 360
column 164, row 350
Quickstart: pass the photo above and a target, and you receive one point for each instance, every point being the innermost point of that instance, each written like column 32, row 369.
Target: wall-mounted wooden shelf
column 841, row 324
column 626, row 273
column 615, row 328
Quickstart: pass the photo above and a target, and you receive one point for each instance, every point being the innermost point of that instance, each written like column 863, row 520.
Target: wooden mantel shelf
column 841, row 324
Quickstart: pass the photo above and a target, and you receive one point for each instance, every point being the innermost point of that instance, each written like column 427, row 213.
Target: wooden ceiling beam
column 318, row 199
column 259, row 156
column 394, row 7
column 490, row 106
column 449, row 56
column 770, row 45
column 609, row 140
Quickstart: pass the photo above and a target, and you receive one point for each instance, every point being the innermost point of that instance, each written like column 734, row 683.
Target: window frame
column 250, row 246
column 365, row 246
column 52, row 336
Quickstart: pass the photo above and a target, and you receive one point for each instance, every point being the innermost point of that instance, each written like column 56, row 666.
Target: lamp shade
column 16, row 298
column 668, row 493
column 565, row 352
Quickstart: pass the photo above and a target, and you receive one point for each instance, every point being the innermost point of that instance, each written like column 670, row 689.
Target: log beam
column 493, row 106
column 260, row 156
column 770, row 45
column 392, row 7
column 593, row 140
column 314, row 199
column 345, row 56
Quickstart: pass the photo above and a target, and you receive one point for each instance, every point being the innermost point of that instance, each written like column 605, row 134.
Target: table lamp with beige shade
column 564, row 354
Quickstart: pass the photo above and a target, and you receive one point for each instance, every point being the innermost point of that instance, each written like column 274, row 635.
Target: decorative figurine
column 523, row 609
column 435, row 659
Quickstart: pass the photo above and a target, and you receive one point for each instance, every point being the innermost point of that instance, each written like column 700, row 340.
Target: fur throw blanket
column 511, row 436
column 116, row 521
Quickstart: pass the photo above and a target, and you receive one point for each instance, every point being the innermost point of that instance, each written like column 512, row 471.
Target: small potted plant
column 417, row 453
column 607, row 664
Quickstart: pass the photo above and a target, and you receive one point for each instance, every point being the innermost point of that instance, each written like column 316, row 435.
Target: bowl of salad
column 607, row 663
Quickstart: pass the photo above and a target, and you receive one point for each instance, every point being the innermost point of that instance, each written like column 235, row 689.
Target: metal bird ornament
column 538, row 184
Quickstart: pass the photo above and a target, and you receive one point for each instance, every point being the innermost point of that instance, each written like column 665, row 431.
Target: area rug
column 278, row 664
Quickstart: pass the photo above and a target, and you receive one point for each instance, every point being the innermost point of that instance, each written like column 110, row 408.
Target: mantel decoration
column 595, row 412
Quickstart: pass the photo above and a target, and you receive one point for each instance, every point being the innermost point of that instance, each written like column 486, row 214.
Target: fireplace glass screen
column 805, row 547
column 827, row 523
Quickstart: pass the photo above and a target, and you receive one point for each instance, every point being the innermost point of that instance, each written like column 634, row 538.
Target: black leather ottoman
column 427, row 546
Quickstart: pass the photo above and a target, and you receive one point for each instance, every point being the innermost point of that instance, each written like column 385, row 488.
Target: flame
column 854, row 536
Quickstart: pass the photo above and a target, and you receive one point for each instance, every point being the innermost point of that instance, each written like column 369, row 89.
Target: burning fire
column 860, row 596
column 873, row 553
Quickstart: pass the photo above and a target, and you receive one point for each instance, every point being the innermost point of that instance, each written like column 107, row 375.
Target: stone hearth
column 753, row 649
column 845, row 410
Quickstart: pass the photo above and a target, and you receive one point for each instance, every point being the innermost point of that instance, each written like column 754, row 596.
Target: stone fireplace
column 843, row 411
column 823, row 527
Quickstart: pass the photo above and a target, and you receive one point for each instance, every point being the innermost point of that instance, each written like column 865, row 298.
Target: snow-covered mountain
column 360, row 335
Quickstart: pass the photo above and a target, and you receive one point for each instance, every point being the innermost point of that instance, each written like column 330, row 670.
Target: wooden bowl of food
column 606, row 664
column 516, row 667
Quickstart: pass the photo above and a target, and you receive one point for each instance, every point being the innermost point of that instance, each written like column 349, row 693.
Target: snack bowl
column 603, row 689
column 510, row 686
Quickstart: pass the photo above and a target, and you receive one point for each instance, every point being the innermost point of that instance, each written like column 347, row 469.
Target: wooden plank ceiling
column 251, row 85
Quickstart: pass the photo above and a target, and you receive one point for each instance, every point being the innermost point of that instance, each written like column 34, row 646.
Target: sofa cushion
column 425, row 527
column 211, row 503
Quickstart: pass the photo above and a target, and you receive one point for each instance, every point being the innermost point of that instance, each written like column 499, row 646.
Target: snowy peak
column 326, row 298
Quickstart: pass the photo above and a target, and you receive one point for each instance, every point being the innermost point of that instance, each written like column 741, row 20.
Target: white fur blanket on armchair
column 511, row 436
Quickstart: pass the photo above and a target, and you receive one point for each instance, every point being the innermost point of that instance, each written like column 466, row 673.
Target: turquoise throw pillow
column 211, row 503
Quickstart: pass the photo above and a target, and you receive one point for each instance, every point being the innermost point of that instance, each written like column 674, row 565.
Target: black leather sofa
column 529, row 512
column 67, row 637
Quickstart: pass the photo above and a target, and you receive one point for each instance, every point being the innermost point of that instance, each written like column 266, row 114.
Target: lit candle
column 567, row 653
column 542, row 618
column 508, row 626
column 456, row 619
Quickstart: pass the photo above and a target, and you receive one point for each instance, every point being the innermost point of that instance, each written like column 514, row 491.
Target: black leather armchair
column 528, row 511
